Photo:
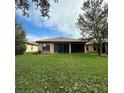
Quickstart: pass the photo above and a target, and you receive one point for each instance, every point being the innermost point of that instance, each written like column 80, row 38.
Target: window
column 46, row 46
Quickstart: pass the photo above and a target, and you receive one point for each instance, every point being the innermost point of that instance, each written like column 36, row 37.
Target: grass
column 61, row 73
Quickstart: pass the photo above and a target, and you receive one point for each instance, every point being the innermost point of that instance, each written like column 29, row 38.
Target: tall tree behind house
column 93, row 21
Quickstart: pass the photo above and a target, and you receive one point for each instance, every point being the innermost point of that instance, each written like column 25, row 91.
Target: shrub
column 19, row 39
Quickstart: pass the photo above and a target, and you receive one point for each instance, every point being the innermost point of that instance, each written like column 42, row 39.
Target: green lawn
column 61, row 73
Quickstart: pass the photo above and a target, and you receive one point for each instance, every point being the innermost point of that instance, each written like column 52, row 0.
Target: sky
column 63, row 16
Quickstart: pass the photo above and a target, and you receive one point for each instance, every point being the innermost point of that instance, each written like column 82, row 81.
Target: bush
column 20, row 49
column 39, row 51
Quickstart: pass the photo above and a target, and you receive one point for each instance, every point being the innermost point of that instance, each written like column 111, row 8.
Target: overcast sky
column 63, row 16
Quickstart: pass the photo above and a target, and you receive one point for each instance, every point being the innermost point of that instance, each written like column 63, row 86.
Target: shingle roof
column 31, row 43
column 61, row 39
column 91, row 41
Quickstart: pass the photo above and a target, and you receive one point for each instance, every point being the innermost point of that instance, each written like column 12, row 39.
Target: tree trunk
column 100, row 48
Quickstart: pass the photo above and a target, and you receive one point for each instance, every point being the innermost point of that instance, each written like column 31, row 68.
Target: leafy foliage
column 93, row 21
column 61, row 73
column 19, row 39
column 42, row 5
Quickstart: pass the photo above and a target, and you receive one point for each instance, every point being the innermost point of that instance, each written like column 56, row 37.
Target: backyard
column 61, row 73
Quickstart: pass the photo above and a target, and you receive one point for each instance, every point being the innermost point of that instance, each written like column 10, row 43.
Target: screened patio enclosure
column 64, row 47
column 61, row 48
column 77, row 48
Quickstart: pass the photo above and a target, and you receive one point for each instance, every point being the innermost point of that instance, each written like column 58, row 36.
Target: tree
column 93, row 21
column 42, row 5
column 19, row 39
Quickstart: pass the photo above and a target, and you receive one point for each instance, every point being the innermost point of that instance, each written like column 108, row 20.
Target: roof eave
column 61, row 41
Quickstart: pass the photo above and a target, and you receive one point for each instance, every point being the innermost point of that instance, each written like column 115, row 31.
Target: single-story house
column 61, row 45
column 31, row 47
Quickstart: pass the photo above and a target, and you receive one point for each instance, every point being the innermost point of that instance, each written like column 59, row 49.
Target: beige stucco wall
column 90, row 48
column 69, row 47
column 40, row 47
column 51, row 47
column 85, row 50
column 31, row 48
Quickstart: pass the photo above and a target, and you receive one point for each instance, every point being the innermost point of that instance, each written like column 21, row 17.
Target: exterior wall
column 35, row 48
column 69, row 47
column 40, row 47
column 28, row 48
column 51, row 47
column 46, row 51
column 31, row 48
column 90, row 48
column 85, row 50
